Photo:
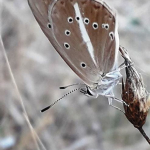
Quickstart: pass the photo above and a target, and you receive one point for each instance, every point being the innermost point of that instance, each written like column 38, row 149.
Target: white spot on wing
column 84, row 33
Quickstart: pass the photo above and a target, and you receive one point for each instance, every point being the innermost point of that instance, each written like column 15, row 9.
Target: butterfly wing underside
column 84, row 33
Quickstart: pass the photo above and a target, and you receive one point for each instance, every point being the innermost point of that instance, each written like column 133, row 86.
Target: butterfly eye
column 67, row 32
column 77, row 18
column 106, row 26
column 86, row 21
column 111, row 34
column 70, row 19
column 95, row 25
column 83, row 65
column 49, row 26
column 66, row 45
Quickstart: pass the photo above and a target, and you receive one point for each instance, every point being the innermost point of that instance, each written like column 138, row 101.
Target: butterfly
column 85, row 34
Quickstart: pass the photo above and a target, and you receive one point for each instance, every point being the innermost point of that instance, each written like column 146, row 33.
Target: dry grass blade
column 135, row 95
column 35, row 137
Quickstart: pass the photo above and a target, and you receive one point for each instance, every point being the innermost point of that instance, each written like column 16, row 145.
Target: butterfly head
column 88, row 92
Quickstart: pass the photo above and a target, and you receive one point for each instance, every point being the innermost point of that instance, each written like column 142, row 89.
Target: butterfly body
column 84, row 33
column 105, row 87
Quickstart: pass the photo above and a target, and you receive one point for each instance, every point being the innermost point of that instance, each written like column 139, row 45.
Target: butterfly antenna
column 64, row 87
column 48, row 107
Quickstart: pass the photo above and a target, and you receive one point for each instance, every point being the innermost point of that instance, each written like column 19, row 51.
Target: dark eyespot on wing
column 67, row 32
column 86, row 20
column 66, row 45
column 70, row 19
column 105, row 26
column 49, row 25
column 77, row 18
column 111, row 34
column 95, row 25
column 83, row 65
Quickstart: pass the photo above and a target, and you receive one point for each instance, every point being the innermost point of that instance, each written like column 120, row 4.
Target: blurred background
column 76, row 122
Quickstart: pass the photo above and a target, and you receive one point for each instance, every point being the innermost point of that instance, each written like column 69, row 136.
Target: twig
column 144, row 134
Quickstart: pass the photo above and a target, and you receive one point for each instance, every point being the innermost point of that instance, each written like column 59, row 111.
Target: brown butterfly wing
column 105, row 37
column 40, row 11
column 80, row 44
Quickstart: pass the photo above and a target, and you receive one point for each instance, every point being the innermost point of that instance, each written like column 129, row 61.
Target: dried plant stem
column 36, row 139
column 144, row 134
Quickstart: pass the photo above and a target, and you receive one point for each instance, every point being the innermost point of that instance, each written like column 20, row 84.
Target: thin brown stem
column 144, row 134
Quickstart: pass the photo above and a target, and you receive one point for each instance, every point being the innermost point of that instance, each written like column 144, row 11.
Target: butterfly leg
column 111, row 97
column 122, row 66
column 110, row 104
column 116, row 99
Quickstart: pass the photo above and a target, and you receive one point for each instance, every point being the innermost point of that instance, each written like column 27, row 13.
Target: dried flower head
column 134, row 94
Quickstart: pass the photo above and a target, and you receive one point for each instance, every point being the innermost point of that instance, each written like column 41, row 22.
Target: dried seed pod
column 134, row 94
